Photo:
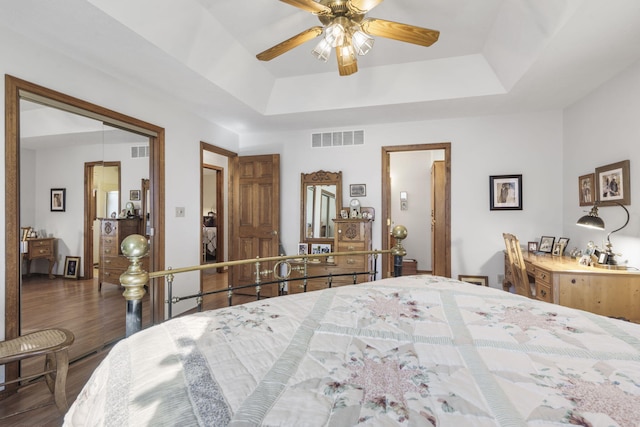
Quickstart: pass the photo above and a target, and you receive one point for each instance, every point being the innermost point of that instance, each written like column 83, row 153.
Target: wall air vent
column 140, row 151
column 337, row 139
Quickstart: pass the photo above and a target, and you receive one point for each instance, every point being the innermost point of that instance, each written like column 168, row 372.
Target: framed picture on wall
column 505, row 192
column 134, row 195
column 58, row 199
column 357, row 190
column 613, row 184
column 586, row 189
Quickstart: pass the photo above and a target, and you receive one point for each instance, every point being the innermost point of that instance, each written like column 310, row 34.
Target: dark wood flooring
column 97, row 320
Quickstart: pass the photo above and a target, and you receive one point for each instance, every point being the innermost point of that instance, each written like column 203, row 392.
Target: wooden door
column 255, row 218
column 439, row 248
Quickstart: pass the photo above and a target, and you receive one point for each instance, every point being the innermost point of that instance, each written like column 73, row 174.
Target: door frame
column 386, row 198
column 15, row 89
column 222, row 227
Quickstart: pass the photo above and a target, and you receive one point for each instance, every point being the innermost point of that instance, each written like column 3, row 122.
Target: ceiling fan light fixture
column 322, row 50
column 335, row 33
column 362, row 42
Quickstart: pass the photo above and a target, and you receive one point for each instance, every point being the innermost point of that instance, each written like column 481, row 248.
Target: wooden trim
column 13, row 86
column 386, row 198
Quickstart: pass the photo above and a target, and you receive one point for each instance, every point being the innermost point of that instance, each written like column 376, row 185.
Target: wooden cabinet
column 351, row 235
column 40, row 249
column 112, row 263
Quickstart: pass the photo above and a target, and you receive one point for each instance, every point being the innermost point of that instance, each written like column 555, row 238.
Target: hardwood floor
column 96, row 319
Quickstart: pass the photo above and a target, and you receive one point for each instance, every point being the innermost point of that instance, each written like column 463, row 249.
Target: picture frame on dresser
column 505, row 192
column 546, row 244
column 320, row 248
column 71, row 267
column 613, row 184
column 564, row 241
column 303, row 248
column 532, row 246
column 58, row 199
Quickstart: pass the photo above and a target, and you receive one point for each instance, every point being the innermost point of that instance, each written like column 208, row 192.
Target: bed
column 412, row 350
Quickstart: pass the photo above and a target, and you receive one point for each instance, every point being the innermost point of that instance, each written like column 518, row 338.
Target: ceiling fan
column 347, row 31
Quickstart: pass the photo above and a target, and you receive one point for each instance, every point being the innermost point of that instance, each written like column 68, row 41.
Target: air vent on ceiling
column 141, row 151
column 337, row 139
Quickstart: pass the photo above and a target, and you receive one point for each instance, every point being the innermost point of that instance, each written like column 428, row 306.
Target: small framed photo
column 303, row 249
column 505, row 192
column 613, row 184
column 358, row 190
column 546, row 244
column 586, row 187
column 344, row 213
column 71, row 267
column 532, row 246
column 585, row 260
column 476, row 280
column 58, row 199
column 558, row 248
column 134, row 195
column 320, row 248
column 564, row 241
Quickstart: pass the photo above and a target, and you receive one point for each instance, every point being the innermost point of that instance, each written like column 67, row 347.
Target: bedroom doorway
column 416, row 192
column 214, row 203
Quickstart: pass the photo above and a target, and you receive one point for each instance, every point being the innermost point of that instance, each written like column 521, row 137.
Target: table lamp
column 592, row 220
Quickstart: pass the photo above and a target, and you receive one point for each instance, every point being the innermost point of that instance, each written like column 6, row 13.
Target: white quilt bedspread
column 415, row 351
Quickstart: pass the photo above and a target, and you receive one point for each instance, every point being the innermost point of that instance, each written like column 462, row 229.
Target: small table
column 40, row 248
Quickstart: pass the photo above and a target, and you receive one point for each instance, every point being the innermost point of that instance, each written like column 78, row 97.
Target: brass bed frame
column 135, row 279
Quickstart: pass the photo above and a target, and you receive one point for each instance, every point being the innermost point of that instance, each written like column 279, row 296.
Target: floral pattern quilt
column 414, row 351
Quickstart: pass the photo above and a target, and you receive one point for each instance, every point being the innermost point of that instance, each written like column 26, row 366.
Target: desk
column 40, row 249
column 561, row 280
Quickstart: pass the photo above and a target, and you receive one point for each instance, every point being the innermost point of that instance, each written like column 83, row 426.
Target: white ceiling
column 493, row 56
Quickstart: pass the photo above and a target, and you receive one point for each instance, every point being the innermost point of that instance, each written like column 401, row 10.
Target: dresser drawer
column 543, row 292
column 40, row 252
column 350, row 246
column 542, row 275
column 109, row 244
column 110, row 275
column 117, row 262
column 353, row 263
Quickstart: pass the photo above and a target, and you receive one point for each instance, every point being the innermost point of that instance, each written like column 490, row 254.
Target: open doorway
column 416, row 192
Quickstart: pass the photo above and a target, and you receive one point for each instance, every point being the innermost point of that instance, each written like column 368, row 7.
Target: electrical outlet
column 179, row 212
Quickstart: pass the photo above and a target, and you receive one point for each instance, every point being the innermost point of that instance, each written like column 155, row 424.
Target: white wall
column 527, row 144
column 183, row 132
column 601, row 129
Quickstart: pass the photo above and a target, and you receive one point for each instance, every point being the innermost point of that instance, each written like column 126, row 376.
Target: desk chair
column 518, row 268
column 53, row 343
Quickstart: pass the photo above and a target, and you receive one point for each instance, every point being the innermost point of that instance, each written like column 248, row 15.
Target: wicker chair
column 53, row 344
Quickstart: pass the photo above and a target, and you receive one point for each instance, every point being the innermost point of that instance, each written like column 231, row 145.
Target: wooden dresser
column 41, row 249
column 112, row 263
column 351, row 235
column 561, row 280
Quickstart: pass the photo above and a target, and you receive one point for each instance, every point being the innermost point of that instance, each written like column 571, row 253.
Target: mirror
column 321, row 197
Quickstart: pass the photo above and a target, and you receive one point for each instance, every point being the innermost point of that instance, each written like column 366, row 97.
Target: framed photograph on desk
column 546, row 244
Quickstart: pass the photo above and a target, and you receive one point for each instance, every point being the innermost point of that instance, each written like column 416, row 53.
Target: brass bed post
column 134, row 247
column 400, row 233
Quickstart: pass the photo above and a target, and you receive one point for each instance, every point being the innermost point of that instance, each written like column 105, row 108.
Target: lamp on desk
column 592, row 220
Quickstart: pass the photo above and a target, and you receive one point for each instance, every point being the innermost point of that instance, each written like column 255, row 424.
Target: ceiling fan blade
column 402, row 32
column 309, row 6
column 362, row 6
column 289, row 44
column 347, row 62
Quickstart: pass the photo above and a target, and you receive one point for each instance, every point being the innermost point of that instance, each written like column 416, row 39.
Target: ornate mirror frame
column 308, row 181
